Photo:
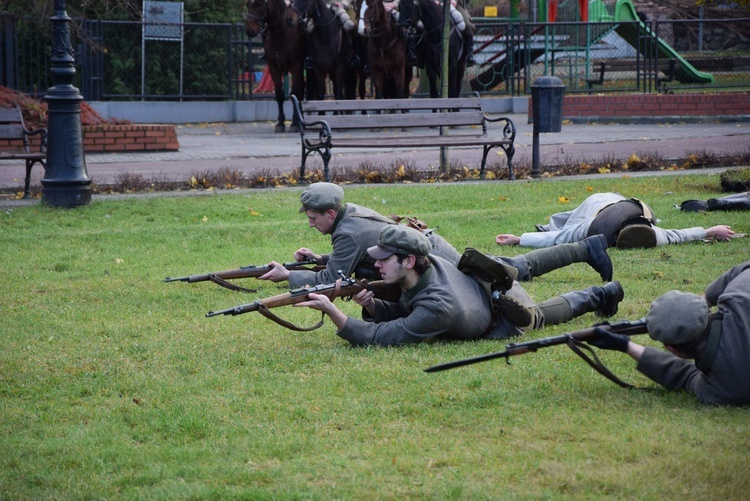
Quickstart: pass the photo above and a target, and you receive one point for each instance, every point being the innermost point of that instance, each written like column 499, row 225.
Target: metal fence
column 696, row 54
column 218, row 62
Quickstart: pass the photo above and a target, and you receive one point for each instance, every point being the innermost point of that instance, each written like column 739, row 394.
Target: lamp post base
column 66, row 196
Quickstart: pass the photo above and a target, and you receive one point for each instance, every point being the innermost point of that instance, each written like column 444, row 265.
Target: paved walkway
column 254, row 147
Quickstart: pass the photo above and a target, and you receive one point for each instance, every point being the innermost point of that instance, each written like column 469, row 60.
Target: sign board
column 162, row 20
column 490, row 11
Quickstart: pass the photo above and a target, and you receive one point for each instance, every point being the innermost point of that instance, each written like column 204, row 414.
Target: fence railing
column 703, row 54
column 219, row 62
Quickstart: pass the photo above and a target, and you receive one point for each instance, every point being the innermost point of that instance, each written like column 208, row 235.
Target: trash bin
column 547, row 102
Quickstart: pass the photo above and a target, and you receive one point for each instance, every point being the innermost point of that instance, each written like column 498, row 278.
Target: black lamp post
column 65, row 182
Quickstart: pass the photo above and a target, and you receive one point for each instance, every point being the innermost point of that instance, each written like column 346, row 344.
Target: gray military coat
column 355, row 230
column 444, row 305
column 728, row 379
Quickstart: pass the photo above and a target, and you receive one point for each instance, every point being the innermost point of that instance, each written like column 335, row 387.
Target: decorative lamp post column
column 65, row 182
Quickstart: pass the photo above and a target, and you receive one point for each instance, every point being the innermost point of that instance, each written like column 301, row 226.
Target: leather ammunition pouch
column 486, row 269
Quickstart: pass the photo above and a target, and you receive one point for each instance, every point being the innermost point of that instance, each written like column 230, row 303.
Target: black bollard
column 65, row 182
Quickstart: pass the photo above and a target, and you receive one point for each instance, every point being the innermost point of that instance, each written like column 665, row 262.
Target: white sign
column 162, row 20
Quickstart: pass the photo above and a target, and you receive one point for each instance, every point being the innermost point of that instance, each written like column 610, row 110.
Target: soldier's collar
column 421, row 284
column 339, row 217
column 712, row 345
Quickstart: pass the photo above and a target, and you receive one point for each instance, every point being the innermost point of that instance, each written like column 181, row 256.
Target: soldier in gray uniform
column 440, row 302
column 718, row 342
column 354, row 229
column 625, row 222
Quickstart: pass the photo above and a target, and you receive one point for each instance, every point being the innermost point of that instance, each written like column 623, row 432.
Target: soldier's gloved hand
column 607, row 340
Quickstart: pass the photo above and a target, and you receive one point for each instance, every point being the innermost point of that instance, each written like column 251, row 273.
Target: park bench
column 726, row 64
column 666, row 68
column 16, row 145
column 400, row 124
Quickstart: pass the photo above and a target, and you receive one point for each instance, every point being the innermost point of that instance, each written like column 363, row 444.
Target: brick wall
column 619, row 106
column 125, row 138
column 116, row 138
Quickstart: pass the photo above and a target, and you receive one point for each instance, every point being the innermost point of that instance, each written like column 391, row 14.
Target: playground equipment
column 624, row 12
column 561, row 31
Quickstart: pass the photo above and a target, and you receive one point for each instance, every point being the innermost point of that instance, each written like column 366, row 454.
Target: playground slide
column 625, row 12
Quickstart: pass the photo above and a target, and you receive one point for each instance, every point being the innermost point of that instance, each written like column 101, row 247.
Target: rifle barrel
column 178, row 279
column 467, row 361
column 235, row 310
column 250, row 271
column 627, row 327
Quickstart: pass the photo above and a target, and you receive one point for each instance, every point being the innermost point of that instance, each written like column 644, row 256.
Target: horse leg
column 408, row 74
column 298, row 89
column 320, row 84
column 452, row 87
column 350, row 84
column 278, row 88
column 432, row 77
column 378, row 82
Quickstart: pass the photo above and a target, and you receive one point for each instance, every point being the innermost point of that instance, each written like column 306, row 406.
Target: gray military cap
column 399, row 239
column 677, row 317
column 321, row 197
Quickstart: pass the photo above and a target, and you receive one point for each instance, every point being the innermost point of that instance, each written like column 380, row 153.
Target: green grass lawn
column 114, row 384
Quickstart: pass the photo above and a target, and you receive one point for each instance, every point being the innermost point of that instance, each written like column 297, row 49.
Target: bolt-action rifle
column 343, row 287
column 251, row 271
column 574, row 340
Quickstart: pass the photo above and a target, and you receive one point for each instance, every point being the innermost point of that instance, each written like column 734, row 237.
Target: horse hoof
column 280, row 128
column 294, row 128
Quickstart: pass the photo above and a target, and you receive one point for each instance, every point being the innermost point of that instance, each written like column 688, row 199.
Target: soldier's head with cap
column 678, row 319
column 401, row 254
column 321, row 203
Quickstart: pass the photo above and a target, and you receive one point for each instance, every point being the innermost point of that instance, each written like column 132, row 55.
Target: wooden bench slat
column 665, row 66
column 13, row 128
column 312, row 107
column 417, row 142
column 399, row 120
column 11, row 131
column 5, row 155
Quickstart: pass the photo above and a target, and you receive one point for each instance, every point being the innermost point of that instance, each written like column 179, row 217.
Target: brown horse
column 386, row 53
column 330, row 49
column 429, row 46
column 284, row 49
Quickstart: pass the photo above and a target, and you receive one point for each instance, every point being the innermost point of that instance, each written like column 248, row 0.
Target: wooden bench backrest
column 632, row 64
column 11, row 123
column 311, row 107
column 386, row 113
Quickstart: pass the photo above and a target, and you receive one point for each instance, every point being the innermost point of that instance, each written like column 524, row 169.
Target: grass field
column 114, row 384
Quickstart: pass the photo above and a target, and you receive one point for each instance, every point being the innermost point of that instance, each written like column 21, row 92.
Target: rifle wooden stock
column 629, row 328
column 347, row 287
column 250, row 271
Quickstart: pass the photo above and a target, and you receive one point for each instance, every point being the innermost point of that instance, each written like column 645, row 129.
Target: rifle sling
column 229, row 285
column 263, row 310
column 597, row 365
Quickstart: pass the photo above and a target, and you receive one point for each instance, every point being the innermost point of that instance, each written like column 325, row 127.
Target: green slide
column 625, row 12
